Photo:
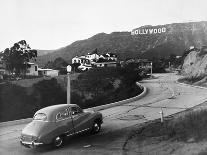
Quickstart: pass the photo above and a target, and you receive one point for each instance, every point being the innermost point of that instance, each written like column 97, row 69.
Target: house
column 106, row 64
column 76, row 60
column 110, row 56
column 89, row 60
column 84, row 61
column 48, row 72
column 32, row 69
column 93, row 57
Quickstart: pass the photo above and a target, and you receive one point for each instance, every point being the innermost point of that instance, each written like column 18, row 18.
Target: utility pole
column 68, row 84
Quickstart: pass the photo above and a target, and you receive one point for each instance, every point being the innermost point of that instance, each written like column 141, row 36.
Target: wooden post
column 161, row 116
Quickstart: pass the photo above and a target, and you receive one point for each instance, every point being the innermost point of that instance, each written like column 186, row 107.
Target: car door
column 80, row 119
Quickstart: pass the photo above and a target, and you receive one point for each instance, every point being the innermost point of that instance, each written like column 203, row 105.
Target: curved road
column 163, row 93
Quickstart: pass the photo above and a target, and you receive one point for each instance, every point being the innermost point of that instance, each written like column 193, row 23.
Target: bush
column 99, row 83
column 19, row 102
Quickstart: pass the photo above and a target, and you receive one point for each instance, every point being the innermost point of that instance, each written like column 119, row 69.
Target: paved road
column 163, row 92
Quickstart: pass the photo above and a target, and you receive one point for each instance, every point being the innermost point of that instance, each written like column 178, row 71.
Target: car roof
column 51, row 111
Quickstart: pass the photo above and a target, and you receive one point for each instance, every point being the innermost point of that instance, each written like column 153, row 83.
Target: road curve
column 163, row 92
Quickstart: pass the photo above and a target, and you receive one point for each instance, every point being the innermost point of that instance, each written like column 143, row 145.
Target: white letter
column 159, row 30
column 139, row 31
column 136, row 31
column 132, row 33
column 155, row 30
column 146, row 31
column 150, row 30
column 163, row 29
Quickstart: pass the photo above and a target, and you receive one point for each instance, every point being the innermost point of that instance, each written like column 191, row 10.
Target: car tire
column 58, row 141
column 96, row 127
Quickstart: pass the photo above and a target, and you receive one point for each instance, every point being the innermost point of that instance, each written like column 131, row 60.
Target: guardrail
column 102, row 107
column 106, row 106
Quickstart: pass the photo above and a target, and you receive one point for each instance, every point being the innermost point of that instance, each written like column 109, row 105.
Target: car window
column 76, row 110
column 40, row 116
column 62, row 114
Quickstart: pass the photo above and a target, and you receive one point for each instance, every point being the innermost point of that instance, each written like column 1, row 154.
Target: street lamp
column 68, row 84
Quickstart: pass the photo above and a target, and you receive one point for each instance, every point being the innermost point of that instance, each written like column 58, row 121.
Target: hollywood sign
column 148, row 31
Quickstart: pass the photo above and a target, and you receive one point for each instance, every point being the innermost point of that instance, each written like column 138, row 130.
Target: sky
column 52, row 24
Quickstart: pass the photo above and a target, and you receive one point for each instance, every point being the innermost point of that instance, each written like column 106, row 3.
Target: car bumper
column 30, row 144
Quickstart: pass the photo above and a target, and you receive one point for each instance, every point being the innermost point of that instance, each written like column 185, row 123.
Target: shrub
column 17, row 103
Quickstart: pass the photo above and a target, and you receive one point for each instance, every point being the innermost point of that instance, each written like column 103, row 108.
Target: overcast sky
column 51, row 24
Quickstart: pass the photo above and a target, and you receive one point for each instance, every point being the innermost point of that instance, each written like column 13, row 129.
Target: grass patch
column 190, row 79
column 191, row 126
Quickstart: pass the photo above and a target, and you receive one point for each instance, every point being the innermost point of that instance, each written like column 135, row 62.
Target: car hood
column 37, row 128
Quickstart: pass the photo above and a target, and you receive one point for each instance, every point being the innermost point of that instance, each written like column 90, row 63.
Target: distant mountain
column 176, row 38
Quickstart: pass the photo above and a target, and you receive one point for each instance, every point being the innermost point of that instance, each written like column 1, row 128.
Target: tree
column 17, row 57
column 95, row 51
column 58, row 63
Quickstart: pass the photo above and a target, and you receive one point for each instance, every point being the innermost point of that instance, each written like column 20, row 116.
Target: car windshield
column 40, row 116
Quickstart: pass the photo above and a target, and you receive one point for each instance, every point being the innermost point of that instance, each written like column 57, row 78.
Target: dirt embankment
column 195, row 67
column 181, row 134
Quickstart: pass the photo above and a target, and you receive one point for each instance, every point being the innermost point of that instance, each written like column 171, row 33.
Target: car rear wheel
column 96, row 127
column 58, row 141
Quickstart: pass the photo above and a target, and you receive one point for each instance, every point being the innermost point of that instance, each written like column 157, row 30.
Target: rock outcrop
column 195, row 63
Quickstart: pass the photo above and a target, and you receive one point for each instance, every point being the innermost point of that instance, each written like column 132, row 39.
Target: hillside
column 44, row 52
column 195, row 63
column 176, row 39
column 195, row 67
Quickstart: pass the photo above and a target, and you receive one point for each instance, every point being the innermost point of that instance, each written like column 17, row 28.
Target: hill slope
column 195, row 63
column 176, row 39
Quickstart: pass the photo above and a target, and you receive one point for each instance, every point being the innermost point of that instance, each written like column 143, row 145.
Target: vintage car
column 51, row 125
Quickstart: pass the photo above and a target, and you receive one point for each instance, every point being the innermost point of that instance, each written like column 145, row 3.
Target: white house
column 76, row 60
column 92, row 56
column 89, row 60
column 32, row 69
column 48, row 72
column 110, row 56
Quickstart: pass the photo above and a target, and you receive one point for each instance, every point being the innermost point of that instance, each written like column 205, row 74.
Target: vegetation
column 191, row 126
column 191, row 79
column 58, row 63
column 19, row 102
column 93, row 88
column 17, row 56
column 100, row 86
column 159, row 65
